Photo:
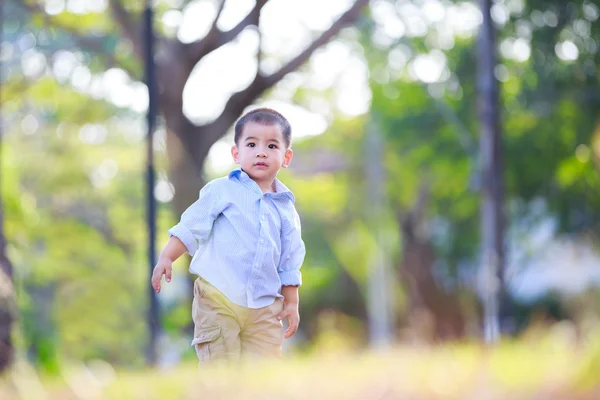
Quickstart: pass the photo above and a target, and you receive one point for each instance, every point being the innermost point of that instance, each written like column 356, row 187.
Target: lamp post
column 150, row 77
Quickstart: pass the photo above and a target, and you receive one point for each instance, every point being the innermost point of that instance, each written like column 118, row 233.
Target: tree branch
column 345, row 19
column 213, row 28
column 216, row 38
column 238, row 101
column 129, row 28
column 259, row 50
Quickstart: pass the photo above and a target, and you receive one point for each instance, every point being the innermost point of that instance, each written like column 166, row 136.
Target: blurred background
column 445, row 168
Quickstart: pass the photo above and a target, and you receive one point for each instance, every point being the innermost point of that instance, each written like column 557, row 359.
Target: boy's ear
column 235, row 154
column 287, row 158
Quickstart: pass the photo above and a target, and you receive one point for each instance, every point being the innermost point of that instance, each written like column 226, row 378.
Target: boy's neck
column 267, row 187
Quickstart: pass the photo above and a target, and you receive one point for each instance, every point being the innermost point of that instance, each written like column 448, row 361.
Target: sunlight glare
column 567, row 51
column 196, row 21
column 428, row 68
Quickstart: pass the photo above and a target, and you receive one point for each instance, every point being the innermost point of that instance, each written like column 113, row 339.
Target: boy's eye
column 272, row 146
column 250, row 145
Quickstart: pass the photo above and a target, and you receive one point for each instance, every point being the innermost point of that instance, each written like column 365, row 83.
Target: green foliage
column 549, row 120
column 78, row 243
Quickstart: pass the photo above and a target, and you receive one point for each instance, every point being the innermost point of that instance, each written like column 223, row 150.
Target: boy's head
column 262, row 144
column 266, row 117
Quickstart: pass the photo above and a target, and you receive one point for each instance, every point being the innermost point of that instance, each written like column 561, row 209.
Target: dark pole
column 492, row 216
column 153, row 312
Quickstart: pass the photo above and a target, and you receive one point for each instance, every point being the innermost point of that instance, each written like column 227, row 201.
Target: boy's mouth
column 261, row 164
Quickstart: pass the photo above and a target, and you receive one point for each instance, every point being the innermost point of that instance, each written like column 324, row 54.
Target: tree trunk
column 185, row 166
column 41, row 325
column 187, row 144
column 7, row 306
column 433, row 313
column 492, row 191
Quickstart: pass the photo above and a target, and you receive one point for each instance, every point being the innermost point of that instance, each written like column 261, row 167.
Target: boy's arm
column 172, row 251
column 292, row 255
column 290, row 295
column 194, row 227
column 290, row 309
column 197, row 221
column 293, row 252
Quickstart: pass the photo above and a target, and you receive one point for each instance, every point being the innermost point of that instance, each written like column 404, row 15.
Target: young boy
column 244, row 235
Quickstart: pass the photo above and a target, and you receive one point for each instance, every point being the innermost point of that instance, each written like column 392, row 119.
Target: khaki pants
column 224, row 331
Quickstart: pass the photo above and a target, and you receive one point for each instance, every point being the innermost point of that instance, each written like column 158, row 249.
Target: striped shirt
column 245, row 243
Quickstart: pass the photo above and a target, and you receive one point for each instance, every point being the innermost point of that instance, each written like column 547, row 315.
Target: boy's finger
column 282, row 315
column 155, row 279
column 291, row 330
column 156, row 276
column 168, row 274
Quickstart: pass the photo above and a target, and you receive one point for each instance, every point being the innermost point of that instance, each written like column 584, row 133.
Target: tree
column 75, row 230
column 6, row 301
column 549, row 93
column 188, row 144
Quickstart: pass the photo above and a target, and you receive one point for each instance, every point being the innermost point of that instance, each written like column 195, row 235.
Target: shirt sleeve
column 292, row 255
column 197, row 221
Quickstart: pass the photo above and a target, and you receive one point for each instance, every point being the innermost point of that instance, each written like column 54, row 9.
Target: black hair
column 264, row 116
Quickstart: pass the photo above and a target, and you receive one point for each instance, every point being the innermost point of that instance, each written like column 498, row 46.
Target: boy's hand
column 164, row 267
column 290, row 311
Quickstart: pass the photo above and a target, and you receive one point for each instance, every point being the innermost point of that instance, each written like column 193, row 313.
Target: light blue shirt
column 245, row 243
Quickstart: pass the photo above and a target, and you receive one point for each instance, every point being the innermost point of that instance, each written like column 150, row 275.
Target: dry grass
column 547, row 368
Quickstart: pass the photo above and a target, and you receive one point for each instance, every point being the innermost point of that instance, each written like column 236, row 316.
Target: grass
column 549, row 367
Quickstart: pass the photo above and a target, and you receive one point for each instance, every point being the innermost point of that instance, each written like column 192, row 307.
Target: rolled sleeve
column 186, row 236
column 197, row 221
column 293, row 255
column 291, row 278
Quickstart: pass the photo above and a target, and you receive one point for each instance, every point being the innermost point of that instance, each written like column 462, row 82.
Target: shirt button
column 262, row 241
column 263, row 217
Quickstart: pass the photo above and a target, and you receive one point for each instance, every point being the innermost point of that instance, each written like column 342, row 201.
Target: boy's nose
column 261, row 154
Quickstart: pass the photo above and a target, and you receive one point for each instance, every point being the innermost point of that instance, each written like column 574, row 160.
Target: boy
column 244, row 235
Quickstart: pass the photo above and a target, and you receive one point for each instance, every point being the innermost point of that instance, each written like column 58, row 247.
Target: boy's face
column 261, row 151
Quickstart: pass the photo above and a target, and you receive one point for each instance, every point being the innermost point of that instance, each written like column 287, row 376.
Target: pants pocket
column 199, row 287
column 276, row 308
column 209, row 344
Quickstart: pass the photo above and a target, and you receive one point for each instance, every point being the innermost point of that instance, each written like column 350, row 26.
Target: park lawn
column 542, row 369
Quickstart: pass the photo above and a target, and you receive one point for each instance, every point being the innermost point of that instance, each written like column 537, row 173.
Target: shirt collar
column 280, row 189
